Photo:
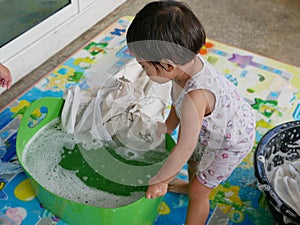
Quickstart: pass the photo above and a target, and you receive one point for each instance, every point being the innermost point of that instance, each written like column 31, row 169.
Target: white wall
column 34, row 47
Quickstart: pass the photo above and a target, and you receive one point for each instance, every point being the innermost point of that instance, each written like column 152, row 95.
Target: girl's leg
column 181, row 186
column 198, row 207
column 178, row 186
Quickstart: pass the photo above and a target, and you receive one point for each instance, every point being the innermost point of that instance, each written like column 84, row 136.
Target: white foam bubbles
column 41, row 159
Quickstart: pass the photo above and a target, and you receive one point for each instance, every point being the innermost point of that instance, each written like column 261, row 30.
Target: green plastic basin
column 142, row 212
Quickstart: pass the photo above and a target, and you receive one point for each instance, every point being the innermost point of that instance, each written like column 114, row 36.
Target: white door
column 83, row 4
column 16, row 16
column 29, row 49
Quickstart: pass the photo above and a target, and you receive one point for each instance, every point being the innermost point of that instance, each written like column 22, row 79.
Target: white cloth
column 125, row 109
column 286, row 183
column 131, row 111
column 99, row 75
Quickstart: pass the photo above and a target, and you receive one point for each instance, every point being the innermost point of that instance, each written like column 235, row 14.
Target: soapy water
column 278, row 154
column 41, row 158
column 284, row 146
column 149, row 157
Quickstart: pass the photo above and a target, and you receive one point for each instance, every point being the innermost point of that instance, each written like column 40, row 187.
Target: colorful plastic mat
column 271, row 87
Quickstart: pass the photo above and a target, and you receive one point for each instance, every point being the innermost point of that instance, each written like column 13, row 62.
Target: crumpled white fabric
column 99, row 75
column 124, row 109
column 286, row 183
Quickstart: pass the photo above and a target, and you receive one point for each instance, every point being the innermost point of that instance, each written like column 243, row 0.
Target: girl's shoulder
column 209, row 78
column 204, row 79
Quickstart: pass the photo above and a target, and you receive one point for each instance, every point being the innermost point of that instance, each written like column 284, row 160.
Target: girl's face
column 156, row 73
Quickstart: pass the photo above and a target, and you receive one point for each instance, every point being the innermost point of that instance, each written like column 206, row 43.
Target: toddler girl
column 216, row 125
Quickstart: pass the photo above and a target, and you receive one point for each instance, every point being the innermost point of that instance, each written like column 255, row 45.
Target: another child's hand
column 161, row 129
column 5, row 77
column 156, row 190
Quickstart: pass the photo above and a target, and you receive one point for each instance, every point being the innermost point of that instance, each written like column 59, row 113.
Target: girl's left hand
column 156, row 190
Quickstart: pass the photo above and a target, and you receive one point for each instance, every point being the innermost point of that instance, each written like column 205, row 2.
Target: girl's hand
column 156, row 190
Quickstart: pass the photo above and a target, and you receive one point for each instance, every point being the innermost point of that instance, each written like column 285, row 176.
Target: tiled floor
column 269, row 27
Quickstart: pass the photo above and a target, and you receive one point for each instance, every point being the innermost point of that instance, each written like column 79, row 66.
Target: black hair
column 165, row 30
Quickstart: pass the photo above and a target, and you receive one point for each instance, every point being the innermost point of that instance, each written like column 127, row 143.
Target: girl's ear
column 167, row 65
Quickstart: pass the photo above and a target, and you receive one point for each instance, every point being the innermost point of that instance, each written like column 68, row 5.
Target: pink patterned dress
column 227, row 134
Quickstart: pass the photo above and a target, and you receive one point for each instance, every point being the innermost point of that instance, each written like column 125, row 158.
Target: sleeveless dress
column 227, row 134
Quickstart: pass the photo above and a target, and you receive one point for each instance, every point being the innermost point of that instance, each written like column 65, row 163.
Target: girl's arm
column 169, row 125
column 172, row 121
column 194, row 106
